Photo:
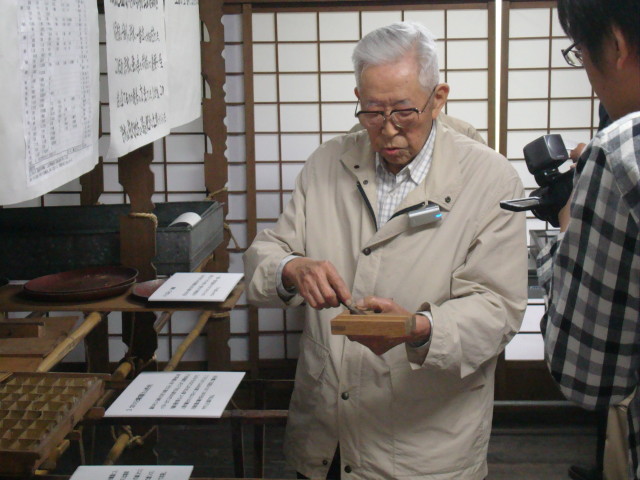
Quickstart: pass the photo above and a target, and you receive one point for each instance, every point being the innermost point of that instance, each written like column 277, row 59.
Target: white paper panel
column 532, row 317
column 299, row 118
column 525, row 346
column 61, row 199
column 373, row 20
column 339, row 26
column 298, row 88
column 338, row 87
column 239, row 349
column 476, row 113
column 194, row 126
column 517, row 140
column 185, row 148
column 233, row 58
column 265, row 88
column 236, row 148
column 290, row 172
column 468, row 85
column 527, row 179
column 185, row 178
column 270, row 319
column 263, row 27
column 266, row 118
column 110, row 177
column 298, row 57
column 234, row 119
column 557, row 59
column 529, row 22
column 234, row 89
column 267, row 148
column 232, row 27
column 236, row 266
column 570, row 83
column 338, row 117
column 528, row 53
column 467, row 54
column 239, row 320
column 237, row 177
column 570, row 113
column 296, row 27
column 299, row 147
column 267, row 176
column 527, row 114
column 295, row 318
column 239, row 231
column 264, row 57
column 268, row 205
column 432, row 19
column 183, row 322
column 237, row 207
column 467, row 24
column 271, row 346
column 528, row 84
column 336, row 57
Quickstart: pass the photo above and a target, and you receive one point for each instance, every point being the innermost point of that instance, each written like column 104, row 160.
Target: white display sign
column 196, row 287
column 138, row 74
column 176, row 394
column 132, row 472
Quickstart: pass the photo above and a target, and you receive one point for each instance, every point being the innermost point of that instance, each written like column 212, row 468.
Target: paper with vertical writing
column 137, row 74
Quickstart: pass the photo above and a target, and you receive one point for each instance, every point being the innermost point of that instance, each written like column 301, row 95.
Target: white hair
column 391, row 43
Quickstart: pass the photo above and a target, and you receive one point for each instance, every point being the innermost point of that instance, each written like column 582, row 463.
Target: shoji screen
column 302, row 95
column 541, row 94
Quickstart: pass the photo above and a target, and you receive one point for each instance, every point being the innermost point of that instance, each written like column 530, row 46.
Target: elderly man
column 419, row 406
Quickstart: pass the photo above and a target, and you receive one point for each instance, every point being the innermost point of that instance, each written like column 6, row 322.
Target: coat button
column 356, row 166
column 367, row 251
column 345, row 395
column 325, row 462
column 366, row 182
column 347, row 469
column 447, row 199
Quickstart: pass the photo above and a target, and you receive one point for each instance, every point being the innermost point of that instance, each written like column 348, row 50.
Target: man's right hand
column 317, row 281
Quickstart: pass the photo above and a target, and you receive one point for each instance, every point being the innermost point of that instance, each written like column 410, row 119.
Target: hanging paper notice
column 131, row 472
column 176, row 394
column 183, row 51
column 196, row 287
column 138, row 74
column 50, row 95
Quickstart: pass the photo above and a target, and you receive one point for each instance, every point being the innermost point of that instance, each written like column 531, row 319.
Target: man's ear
column 439, row 99
column 623, row 52
column 355, row 90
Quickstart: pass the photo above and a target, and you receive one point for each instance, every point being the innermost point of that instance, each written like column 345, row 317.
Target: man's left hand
column 380, row 345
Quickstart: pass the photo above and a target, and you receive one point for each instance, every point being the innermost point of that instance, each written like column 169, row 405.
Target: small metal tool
column 353, row 310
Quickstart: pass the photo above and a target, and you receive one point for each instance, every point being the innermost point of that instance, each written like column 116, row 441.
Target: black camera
column 543, row 156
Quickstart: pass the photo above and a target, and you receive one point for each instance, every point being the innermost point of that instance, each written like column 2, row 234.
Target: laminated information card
column 176, row 394
column 131, row 472
column 196, row 287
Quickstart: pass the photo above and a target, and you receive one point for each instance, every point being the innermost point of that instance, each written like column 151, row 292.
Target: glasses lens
column 404, row 118
column 370, row 119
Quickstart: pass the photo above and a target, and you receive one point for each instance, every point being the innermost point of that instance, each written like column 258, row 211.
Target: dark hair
column 589, row 22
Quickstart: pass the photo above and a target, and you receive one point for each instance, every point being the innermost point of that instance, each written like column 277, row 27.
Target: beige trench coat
column 393, row 418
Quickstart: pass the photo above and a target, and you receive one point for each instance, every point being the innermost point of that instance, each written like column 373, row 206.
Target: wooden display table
column 12, row 299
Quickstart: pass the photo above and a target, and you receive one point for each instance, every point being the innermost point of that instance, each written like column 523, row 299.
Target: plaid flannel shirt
column 592, row 278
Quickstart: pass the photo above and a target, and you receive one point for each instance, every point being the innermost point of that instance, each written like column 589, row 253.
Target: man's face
column 393, row 87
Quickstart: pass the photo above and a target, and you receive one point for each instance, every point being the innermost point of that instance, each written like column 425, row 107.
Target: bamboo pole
column 69, row 343
column 186, row 343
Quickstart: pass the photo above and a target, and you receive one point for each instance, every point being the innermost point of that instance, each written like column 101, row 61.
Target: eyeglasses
column 572, row 55
column 403, row 118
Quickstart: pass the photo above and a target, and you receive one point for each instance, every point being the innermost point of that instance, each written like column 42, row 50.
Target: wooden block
column 376, row 324
column 21, row 328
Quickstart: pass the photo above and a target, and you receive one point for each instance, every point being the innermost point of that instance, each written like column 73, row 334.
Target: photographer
column 592, row 274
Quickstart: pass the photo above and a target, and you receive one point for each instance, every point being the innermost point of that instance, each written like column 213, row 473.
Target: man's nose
column 388, row 128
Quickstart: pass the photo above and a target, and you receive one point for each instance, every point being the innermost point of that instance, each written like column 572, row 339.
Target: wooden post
column 215, row 164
